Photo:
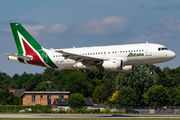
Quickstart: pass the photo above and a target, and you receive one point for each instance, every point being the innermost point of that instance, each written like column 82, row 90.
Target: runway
column 85, row 116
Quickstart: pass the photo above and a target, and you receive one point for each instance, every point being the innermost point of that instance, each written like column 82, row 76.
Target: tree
column 113, row 97
column 17, row 100
column 96, row 94
column 1, row 81
column 42, row 86
column 156, row 95
column 126, row 97
column 139, row 80
column 176, row 98
column 103, row 91
column 76, row 100
column 6, row 97
column 76, row 82
column 16, row 76
column 49, row 74
column 29, row 83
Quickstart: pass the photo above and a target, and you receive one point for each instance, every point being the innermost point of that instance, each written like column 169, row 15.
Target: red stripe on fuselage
column 29, row 51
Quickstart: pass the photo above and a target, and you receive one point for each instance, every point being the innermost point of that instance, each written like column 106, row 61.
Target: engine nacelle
column 114, row 65
column 127, row 69
column 79, row 65
column 117, row 65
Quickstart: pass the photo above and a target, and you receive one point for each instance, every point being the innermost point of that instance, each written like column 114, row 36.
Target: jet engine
column 114, row 65
column 127, row 69
column 117, row 65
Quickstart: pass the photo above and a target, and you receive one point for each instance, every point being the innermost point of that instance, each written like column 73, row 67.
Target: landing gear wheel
column 151, row 72
column 91, row 75
column 99, row 76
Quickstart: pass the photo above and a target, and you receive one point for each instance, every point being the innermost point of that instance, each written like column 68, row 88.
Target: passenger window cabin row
column 125, row 51
column 113, row 52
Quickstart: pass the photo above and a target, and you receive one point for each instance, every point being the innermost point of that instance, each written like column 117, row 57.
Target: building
column 17, row 92
column 42, row 97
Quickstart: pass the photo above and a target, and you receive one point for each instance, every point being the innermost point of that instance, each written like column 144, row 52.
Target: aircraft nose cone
column 172, row 54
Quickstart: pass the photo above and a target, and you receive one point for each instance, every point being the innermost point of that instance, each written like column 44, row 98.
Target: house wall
column 27, row 98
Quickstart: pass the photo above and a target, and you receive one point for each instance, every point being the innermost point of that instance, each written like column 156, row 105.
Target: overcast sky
column 67, row 23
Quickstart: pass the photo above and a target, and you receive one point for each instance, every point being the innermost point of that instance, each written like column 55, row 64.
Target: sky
column 81, row 23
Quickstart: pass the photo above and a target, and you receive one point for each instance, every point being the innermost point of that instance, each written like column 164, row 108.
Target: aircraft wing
column 27, row 58
column 86, row 60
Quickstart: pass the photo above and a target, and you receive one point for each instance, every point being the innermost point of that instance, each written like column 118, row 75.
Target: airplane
column 119, row 58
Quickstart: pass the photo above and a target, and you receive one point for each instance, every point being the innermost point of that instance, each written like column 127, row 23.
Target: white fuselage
column 131, row 54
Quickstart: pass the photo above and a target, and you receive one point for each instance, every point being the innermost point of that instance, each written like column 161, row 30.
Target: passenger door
column 148, row 50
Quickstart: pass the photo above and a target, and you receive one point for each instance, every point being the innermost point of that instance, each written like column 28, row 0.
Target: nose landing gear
column 150, row 70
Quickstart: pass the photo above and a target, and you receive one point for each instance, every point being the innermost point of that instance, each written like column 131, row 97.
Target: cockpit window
column 163, row 48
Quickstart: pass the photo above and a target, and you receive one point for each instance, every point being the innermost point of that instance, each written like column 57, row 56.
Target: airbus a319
column 120, row 58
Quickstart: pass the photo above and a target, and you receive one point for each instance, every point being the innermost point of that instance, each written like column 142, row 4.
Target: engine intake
column 117, row 65
column 114, row 65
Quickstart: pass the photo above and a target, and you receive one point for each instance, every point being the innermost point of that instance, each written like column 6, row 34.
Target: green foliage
column 42, row 86
column 96, row 95
column 29, row 83
column 6, row 97
column 103, row 91
column 113, row 97
column 76, row 100
column 156, row 95
column 126, row 97
column 76, row 81
column 139, row 80
column 17, row 100
column 106, row 110
column 6, row 81
column 176, row 96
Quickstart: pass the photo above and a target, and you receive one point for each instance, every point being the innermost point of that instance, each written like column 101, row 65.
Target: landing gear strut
column 150, row 70
column 99, row 76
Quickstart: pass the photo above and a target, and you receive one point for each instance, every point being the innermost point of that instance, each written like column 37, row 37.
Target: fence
column 19, row 108
column 135, row 109
column 148, row 110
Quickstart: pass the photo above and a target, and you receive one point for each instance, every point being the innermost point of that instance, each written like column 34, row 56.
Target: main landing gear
column 99, row 76
column 91, row 75
column 150, row 70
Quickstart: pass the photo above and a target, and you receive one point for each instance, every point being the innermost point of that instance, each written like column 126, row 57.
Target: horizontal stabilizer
column 27, row 58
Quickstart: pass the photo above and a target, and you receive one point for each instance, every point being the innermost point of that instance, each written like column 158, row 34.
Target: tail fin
column 24, row 41
column 29, row 50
